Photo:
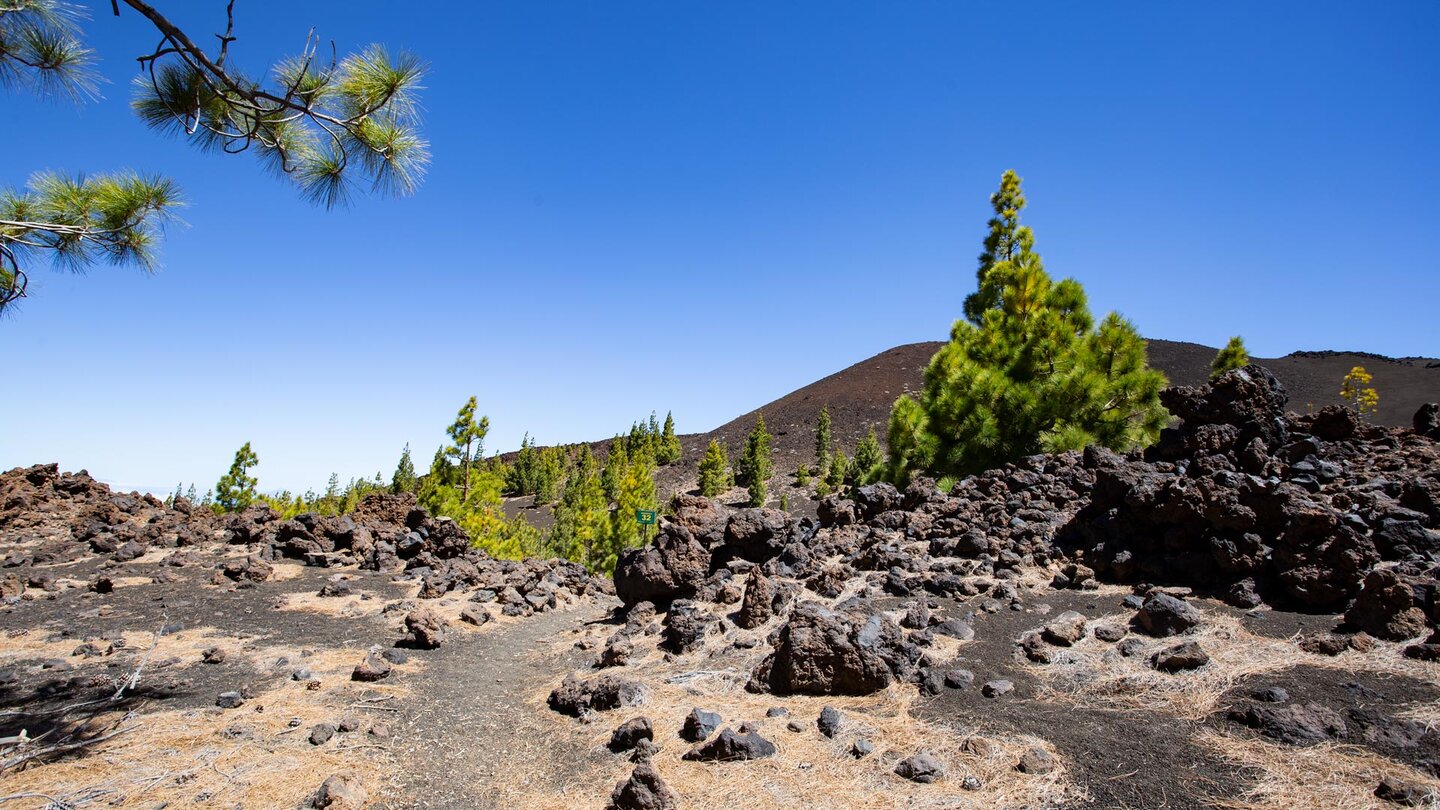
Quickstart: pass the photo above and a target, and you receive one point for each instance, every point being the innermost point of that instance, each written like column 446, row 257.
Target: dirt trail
column 471, row 720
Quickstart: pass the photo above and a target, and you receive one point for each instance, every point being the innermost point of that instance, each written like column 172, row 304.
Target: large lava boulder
column 822, row 652
column 672, row 567
column 756, row 535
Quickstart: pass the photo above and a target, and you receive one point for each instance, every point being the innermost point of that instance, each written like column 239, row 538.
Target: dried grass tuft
column 1316, row 776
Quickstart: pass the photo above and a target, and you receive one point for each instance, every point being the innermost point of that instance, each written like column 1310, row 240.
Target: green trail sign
column 645, row 517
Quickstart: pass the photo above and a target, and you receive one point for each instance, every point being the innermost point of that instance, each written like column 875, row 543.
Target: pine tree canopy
column 1231, row 357
column 714, row 472
column 404, row 478
column 824, row 444
column 1027, row 370
column 323, row 122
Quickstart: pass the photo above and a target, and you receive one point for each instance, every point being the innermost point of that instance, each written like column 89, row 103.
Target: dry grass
column 1317, row 776
column 187, row 757
column 353, row 606
column 194, row 756
column 1093, row 673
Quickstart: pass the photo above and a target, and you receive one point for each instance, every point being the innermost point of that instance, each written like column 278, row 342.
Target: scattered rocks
column 829, row 721
column 1406, row 794
column 819, row 651
column 230, row 700
column 1064, row 630
column 425, row 628
column 1385, row 607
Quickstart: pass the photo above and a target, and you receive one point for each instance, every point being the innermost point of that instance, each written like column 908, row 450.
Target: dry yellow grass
column 1099, row 676
column 248, row 757
column 1330, row 776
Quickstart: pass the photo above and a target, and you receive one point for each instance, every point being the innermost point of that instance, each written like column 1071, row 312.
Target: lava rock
column 1163, row 615
column 644, row 790
column 922, row 768
column 829, row 721
column 574, row 696
column 699, row 724
column 630, row 733
column 1180, row 658
column 729, row 746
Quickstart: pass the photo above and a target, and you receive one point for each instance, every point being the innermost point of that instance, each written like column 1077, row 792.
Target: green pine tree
column 467, row 438
column 756, row 464
column 404, row 478
column 1231, row 357
column 236, row 489
column 824, row 444
column 714, row 470
column 614, row 470
column 868, row 459
column 670, row 449
column 839, row 469
column 581, row 517
column 1027, row 371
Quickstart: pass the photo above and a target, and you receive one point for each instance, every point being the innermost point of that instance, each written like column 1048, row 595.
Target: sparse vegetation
column 824, row 443
column 866, row 466
column 715, row 475
column 1027, row 370
column 1356, row 390
column 1231, row 357
column 404, row 478
column 757, row 464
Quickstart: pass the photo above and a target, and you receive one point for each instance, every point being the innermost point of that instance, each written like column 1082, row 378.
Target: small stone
column 229, row 700
column 1270, row 694
column 795, row 726
column 371, row 668
column 342, row 791
column 1036, row 761
column 1180, row 658
column 777, row 711
column 1131, row 647
column 474, row 614
column 301, row 674
column 970, row 783
column 728, row 746
column 395, row 656
column 1109, row 633
column 922, row 768
column 1064, row 630
column 320, row 733
column 348, row 724
column 862, row 748
column 644, row 751
column 959, row 679
column 699, row 724
column 628, row 734
column 213, row 655
column 997, row 688
column 829, row 721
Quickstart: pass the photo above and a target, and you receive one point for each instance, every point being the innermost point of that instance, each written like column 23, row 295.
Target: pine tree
column 1231, row 357
column 1027, row 371
column 190, row 493
column 637, row 491
column 581, row 518
column 839, row 469
column 756, row 464
column 614, row 470
column 521, row 477
column 236, row 489
column 467, row 438
column 714, row 470
column 802, row 476
column 404, row 478
column 824, row 444
column 670, row 449
column 866, row 465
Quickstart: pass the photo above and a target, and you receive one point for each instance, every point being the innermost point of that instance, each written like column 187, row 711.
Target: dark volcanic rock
column 756, row 607
column 574, row 696
column 1291, row 723
column 922, row 767
column 729, row 746
column 699, row 724
column 1163, row 615
column 829, row 721
column 671, row 567
column 630, row 733
column 644, row 790
column 1180, row 658
column 686, row 624
column 371, row 668
column 1386, row 607
column 819, row 651
column 425, row 628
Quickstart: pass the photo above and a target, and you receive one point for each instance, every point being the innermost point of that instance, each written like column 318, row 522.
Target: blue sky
column 702, row 206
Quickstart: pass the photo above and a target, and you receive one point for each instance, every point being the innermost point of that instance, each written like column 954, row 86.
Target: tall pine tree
column 756, row 464
column 404, row 478
column 236, row 489
column 467, row 437
column 714, row 470
column 670, row 449
column 824, row 443
column 1027, row 370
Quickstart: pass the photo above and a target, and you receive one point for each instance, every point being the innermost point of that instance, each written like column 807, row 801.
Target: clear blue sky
column 702, row 206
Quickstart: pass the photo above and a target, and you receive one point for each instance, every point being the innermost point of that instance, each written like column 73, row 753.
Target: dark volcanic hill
column 860, row 396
